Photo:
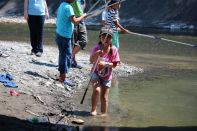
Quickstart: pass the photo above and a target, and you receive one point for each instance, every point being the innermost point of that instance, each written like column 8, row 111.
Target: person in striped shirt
column 113, row 21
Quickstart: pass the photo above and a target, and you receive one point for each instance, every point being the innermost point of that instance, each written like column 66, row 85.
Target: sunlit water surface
column 165, row 94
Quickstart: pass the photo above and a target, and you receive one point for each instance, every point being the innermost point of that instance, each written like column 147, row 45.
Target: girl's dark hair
column 110, row 52
column 100, row 43
column 112, row 2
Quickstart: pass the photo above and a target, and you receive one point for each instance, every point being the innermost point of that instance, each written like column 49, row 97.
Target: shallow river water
column 165, row 94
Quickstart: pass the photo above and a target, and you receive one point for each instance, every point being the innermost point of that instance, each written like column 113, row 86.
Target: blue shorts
column 103, row 83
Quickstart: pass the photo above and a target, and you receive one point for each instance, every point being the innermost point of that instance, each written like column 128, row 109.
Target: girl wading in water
column 105, row 57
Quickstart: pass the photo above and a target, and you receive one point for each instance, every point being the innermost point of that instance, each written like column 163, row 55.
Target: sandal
column 69, row 83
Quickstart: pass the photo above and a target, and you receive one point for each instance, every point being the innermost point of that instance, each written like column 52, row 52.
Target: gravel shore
column 35, row 77
column 20, row 19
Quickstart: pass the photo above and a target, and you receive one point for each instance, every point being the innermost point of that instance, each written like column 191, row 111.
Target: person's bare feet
column 103, row 114
column 62, row 78
column 93, row 113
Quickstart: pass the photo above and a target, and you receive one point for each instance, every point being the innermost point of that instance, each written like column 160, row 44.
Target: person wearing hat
column 104, row 57
column 112, row 21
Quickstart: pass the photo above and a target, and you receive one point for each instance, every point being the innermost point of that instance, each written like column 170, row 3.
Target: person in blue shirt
column 80, row 32
column 64, row 31
column 35, row 12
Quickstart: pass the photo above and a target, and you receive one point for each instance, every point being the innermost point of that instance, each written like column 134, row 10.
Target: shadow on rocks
column 43, row 64
column 35, row 74
column 8, row 123
column 76, row 112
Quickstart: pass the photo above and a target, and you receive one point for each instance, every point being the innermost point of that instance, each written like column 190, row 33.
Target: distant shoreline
column 139, row 29
column 20, row 19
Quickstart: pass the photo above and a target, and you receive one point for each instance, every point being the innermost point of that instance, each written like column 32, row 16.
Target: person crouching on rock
column 104, row 57
column 64, row 31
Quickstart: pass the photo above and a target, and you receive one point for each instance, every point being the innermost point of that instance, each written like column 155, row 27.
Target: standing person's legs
column 32, row 29
column 95, row 97
column 104, row 96
column 95, row 92
column 65, row 55
column 80, row 42
column 76, row 46
column 104, row 100
column 39, row 37
column 115, row 40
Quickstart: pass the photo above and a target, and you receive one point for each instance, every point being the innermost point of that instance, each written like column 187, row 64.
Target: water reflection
column 101, row 128
column 164, row 95
column 115, row 91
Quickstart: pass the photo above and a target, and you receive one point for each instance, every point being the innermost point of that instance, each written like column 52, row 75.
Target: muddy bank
column 35, row 77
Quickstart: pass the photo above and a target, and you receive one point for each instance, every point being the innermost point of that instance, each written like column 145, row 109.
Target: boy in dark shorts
column 80, row 32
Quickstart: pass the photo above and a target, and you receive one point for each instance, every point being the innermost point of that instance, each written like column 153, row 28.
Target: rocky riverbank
column 39, row 93
column 20, row 19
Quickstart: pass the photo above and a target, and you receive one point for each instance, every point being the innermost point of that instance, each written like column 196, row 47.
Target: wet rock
column 77, row 121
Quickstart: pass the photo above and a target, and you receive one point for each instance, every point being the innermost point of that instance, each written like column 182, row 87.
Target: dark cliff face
column 146, row 13
column 177, row 10
column 160, row 11
column 157, row 13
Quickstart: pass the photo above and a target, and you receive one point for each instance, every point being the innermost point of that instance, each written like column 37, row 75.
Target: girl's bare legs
column 95, row 95
column 104, row 100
